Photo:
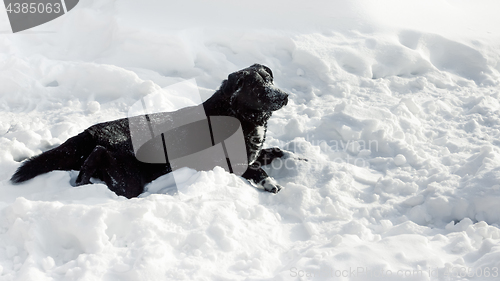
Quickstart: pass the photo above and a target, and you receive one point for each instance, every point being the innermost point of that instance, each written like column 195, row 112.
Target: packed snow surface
column 394, row 104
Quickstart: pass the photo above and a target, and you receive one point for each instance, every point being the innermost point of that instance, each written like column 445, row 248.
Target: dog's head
column 252, row 89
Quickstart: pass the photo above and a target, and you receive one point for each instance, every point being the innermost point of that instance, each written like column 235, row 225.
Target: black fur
column 105, row 150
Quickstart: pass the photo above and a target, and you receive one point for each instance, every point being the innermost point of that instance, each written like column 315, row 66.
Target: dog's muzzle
column 278, row 98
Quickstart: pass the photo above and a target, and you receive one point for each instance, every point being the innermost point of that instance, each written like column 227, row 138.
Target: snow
column 394, row 105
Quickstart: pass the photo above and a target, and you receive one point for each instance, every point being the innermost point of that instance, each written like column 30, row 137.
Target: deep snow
column 395, row 104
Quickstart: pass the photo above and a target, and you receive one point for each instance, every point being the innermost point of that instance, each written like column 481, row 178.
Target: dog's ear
column 232, row 84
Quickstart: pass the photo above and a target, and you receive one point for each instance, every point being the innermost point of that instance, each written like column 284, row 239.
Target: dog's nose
column 283, row 96
column 282, row 93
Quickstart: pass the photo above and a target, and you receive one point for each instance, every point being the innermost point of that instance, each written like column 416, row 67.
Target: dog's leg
column 93, row 162
column 257, row 175
column 104, row 164
column 266, row 156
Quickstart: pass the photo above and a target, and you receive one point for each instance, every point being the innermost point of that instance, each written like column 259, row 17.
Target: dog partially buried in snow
column 106, row 151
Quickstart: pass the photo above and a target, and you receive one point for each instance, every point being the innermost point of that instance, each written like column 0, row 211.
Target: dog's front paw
column 290, row 155
column 270, row 185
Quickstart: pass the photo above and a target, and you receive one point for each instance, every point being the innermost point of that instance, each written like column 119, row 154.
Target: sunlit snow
column 394, row 104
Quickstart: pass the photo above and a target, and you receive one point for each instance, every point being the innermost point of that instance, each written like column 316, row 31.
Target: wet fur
column 105, row 150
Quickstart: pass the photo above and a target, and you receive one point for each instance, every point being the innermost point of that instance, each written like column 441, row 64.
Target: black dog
column 105, row 150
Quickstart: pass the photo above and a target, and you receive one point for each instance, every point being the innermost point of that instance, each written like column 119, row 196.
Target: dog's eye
column 265, row 76
column 268, row 70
